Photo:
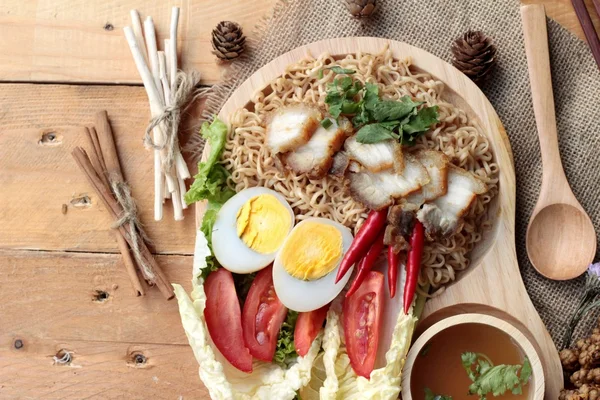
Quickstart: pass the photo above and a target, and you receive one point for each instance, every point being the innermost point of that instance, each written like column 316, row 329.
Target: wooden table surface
column 62, row 283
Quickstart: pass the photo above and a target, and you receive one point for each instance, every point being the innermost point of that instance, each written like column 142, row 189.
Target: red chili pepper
column 363, row 240
column 392, row 270
column 413, row 264
column 366, row 264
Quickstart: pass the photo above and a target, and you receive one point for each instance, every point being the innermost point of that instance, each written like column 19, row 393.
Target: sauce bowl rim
column 537, row 382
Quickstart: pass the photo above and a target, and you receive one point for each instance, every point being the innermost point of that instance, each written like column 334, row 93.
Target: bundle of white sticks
column 159, row 81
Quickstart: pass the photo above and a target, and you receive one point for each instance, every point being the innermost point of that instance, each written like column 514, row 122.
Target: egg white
column 229, row 249
column 302, row 296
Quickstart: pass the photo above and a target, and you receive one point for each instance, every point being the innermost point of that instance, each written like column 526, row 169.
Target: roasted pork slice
column 401, row 220
column 340, row 164
column 436, row 164
column 378, row 190
column 315, row 157
column 377, row 156
column 291, row 127
column 443, row 216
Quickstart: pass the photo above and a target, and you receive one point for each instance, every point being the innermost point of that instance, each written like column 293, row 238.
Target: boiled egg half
column 250, row 228
column 305, row 267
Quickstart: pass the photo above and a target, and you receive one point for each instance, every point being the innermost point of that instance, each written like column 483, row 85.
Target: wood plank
column 58, row 295
column 67, row 41
column 38, row 175
column 82, row 41
column 98, row 370
column 562, row 11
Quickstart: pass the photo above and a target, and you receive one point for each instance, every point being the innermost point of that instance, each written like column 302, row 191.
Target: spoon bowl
column 561, row 241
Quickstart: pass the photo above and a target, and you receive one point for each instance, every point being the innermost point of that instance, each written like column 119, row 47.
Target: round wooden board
column 493, row 283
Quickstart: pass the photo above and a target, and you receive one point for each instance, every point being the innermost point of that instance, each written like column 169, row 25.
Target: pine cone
column 228, row 40
column 474, row 54
column 361, row 8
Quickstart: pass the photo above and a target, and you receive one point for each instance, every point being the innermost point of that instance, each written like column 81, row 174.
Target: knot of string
column 183, row 94
column 129, row 217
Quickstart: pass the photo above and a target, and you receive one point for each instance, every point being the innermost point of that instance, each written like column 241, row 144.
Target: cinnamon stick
column 108, row 147
column 115, row 209
column 100, row 168
column 94, row 154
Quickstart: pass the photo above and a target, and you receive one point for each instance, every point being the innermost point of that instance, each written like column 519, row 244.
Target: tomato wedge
column 307, row 328
column 224, row 320
column 262, row 316
column 362, row 320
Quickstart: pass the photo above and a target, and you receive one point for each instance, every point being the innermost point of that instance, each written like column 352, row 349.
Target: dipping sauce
column 439, row 368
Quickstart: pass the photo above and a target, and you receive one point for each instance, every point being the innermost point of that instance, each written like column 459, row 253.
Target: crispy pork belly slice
column 340, row 164
column 378, row 190
column 443, row 216
column 291, row 126
column 401, row 219
column 436, row 164
column 377, row 156
column 316, row 156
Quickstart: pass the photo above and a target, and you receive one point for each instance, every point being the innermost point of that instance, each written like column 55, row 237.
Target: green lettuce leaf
column 210, row 183
column 285, row 351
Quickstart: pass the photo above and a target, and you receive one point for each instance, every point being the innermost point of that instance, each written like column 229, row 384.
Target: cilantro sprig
column 495, row 379
column 376, row 119
column 429, row 395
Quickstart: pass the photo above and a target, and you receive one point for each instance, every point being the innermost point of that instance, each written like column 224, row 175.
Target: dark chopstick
column 588, row 28
column 597, row 6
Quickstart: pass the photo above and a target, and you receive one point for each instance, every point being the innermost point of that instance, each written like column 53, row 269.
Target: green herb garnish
column 429, row 395
column 326, row 123
column 285, row 352
column 340, row 70
column 378, row 120
column 494, row 379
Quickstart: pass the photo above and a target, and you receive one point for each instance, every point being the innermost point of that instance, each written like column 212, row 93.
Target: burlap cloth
column 432, row 25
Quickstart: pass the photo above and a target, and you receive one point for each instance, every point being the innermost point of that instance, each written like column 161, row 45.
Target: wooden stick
column 176, row 198
column 597, row 6
column 136, row 22
column 156, row 108
column 182, row 193
column 588, row 28
column 168, row 64
column 181, row 167
column 166, row 193
column 182, row 170
column 173, row 44
column 107, row 146
column 164, row 80
column 150, row 35
column 115, row 210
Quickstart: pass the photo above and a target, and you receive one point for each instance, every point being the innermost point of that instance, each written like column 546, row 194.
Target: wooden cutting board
column 493, row 283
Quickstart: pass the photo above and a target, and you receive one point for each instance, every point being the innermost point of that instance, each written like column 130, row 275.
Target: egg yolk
column 312, row 251
column 263, row 223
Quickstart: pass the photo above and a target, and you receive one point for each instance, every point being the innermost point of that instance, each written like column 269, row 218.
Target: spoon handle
column 538, row 62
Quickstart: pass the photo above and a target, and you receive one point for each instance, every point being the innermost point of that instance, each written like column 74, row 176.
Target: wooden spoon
column 561, row 241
